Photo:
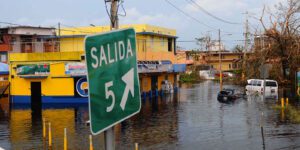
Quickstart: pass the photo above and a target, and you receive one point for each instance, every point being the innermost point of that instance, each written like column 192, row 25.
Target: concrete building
column 216, row 46
column 156, row 48
column 47, row 78
column 229, row 60
column 182, row 57
column 25, row 39
column 60, row 77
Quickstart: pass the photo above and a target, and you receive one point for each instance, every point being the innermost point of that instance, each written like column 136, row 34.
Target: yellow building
column 156, row 47
column 60, row 77
column 47, row 77
column 229, row 60
column 153, row 43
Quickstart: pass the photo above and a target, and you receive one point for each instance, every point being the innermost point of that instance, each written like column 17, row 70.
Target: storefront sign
column 33, row 69
column 82, row 87
column 148, row 68
column 75, row 69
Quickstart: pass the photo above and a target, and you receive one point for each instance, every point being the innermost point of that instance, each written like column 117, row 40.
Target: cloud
column 134, row 16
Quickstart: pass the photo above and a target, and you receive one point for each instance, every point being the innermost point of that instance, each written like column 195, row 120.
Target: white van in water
column 257, row 86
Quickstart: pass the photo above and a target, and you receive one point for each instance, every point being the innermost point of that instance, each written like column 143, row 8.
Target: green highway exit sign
column 114, row 92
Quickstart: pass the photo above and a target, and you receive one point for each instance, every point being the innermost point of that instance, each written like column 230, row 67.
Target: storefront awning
column 33, row 76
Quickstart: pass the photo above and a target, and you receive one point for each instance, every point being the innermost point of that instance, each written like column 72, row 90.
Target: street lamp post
column 220, row 61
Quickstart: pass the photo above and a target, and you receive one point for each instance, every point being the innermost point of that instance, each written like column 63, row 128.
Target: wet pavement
column 191, row 119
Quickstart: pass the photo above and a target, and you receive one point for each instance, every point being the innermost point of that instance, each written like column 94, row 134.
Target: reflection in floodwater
column 191, row 119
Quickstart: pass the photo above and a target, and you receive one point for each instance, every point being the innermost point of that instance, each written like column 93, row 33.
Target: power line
column 11, row 23
column 89, row 31
column 110, row 19
column 195, row 19
column 191, row 17
column 213, row 16
column 121, row 3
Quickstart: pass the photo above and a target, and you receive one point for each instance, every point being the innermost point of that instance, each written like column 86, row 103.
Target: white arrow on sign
column 128, row 78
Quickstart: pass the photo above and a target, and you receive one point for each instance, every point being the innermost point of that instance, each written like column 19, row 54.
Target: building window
column 162, row 42
column 1, row 40
column 169, row 45
column 234, row 66
column 229, row 66
column 13, row 40
column 152, row 42
column 3, row 58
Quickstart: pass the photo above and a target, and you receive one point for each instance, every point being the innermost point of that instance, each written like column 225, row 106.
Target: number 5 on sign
column 109, row 93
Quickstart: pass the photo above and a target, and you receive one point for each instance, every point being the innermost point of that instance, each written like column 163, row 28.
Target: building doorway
column 36, row 95
column 154, row 84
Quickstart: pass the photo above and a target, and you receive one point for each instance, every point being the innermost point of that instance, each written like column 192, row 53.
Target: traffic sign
column 114, row 93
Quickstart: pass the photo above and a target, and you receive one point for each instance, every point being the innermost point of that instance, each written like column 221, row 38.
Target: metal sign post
column 109, row 134
column 109, row 137
column 264, row 73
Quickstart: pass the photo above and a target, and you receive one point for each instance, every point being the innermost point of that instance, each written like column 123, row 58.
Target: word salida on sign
column 103, row 59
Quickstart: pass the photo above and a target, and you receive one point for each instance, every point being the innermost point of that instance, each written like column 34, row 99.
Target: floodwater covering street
column 191, row 119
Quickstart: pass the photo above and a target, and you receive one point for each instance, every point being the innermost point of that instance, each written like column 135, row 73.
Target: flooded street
column 191, row 119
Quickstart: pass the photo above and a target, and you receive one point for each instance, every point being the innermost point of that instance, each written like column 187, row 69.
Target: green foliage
column 192, row 77
column 237, row 72
column 292, row 113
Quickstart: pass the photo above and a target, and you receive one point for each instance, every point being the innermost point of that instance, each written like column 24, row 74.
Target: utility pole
column 220, row 62
column 208, row 43
column 109, row 134
column 59, row 36
column 264, row 62
column 245, row 47
column 114, row 15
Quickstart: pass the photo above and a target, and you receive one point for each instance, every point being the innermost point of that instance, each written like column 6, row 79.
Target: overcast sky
column 154, row 12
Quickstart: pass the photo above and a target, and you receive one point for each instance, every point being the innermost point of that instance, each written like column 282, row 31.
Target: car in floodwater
column 227, row 95
column 256, row 86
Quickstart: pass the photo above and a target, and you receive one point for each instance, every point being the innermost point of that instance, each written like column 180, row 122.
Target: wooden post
column 44, row 128
column 282, row 102
column 50, row 135
column 65, row 139
column 91, row 143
